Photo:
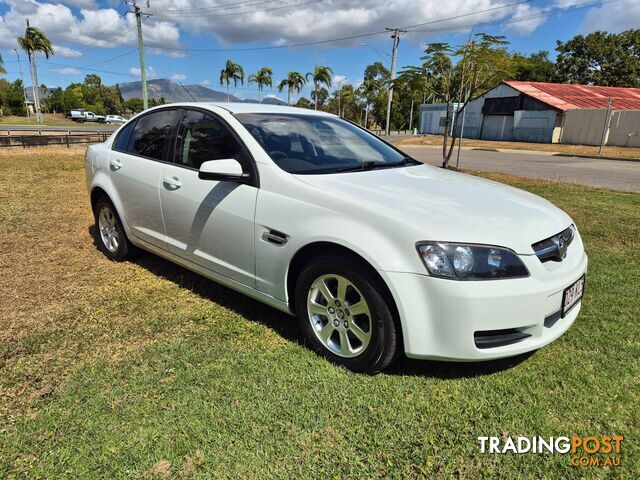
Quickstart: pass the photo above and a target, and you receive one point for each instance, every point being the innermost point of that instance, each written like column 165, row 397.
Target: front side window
column 308, row 144
column 202, row 137
column 151, row 133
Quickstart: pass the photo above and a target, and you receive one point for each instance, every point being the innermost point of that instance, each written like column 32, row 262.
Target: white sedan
column 375, row 253
column 114, row 120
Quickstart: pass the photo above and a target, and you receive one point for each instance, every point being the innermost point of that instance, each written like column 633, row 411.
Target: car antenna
column 188, row 92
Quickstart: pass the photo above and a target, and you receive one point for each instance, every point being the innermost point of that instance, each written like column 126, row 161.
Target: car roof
column 239, row 107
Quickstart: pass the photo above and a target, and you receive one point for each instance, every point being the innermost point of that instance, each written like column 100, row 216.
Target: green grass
column 140, row 370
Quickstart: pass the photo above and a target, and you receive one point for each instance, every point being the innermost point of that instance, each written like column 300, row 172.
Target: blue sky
column 95, row 34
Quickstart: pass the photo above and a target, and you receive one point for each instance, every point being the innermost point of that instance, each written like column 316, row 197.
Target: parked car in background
column 375, row 253
column 115, row 120
column 82, row 116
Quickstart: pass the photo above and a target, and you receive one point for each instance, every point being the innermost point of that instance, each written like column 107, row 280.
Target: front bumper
column 441, row 318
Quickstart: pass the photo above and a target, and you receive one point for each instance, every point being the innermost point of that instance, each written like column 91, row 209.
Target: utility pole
column 24, row 90
column 143, row 71
column 340, row 95
column 394, row 54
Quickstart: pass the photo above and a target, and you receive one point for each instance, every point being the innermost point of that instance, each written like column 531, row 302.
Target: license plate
column 572, row 295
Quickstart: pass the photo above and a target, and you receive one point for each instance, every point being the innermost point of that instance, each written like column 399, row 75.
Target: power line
column 179, row 14
column 112, row 58
column 226, row 6
column 550, row 12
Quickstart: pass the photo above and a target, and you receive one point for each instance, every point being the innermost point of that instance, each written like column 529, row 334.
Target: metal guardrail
column 67, row 140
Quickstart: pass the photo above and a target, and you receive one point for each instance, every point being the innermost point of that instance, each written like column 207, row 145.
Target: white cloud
column 67, row 52
column 151, row 72
column 530, row 19
column 178, row 77
column 66, row 71
column 324, row 20
column 337, row 79
column 92, row 26
column 205, row 83
column 86, row 4
column 613, row 17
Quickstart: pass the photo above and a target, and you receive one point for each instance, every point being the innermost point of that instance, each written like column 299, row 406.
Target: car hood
column 443, row 205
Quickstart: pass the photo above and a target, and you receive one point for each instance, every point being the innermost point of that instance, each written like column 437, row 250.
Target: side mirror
column 227, row 169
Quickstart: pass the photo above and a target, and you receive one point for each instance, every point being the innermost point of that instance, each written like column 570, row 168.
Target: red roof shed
column 568, row 96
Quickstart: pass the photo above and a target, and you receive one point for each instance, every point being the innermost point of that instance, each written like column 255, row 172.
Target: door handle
column 115, row 164
column 171, row 183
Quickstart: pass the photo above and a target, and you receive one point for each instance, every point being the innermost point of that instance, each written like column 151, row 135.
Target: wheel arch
column 305, row 254
column 97, row 192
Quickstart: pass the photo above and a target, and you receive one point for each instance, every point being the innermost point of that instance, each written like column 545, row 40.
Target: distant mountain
column 173, row 92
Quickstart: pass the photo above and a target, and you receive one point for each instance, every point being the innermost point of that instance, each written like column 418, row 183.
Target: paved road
column 594, row 172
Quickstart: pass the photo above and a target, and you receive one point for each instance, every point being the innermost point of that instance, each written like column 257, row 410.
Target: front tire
column 111, row 238
column 344, row 312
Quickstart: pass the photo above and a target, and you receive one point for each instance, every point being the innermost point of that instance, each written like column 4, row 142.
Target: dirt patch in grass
column 622, row 152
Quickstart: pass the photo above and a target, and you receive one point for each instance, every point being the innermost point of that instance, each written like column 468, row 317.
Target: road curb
column 619, row 159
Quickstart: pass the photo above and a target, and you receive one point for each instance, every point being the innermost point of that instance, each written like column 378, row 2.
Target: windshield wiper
column 373, row 165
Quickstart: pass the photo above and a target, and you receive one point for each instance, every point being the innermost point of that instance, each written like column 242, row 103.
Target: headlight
column 461, row 261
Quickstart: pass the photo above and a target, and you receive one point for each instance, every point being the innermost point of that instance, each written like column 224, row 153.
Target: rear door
column 210, row 223
column 135, row 165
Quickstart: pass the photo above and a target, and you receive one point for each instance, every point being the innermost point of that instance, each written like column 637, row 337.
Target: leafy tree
column 319, row 97
column 411, row 85
column 345, row 102
column 537, row 67
column 303, row 102
column 483, row 63
column 231, row 72
column 55, row 101
column 262, row 78
column 293, row 83
column 93, row 80
column 2, row 69
column 134, row 105
column 601, row 58
column 34, row 41
column 321, row 75
column 12, row 97
column 373, row 92
column 73, row 97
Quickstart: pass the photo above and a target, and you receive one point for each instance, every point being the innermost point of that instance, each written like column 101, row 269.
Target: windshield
column 311, row 144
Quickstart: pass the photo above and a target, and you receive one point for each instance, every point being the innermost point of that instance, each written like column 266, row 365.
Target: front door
column 210, row 223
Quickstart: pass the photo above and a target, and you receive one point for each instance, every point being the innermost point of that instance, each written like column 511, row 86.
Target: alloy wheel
column 339, row 315
column 108, row 230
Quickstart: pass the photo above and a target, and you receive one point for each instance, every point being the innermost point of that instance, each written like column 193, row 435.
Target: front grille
column 498, row 338
column 554, row 248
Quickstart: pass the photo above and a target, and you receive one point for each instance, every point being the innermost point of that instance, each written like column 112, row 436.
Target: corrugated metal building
column 552, row 113
column 433, row 118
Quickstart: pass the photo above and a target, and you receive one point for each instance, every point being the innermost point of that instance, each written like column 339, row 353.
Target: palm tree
column 293, row 83
column 2, row 69
column 263, row 78
column 35, row 41
column 231, row 71
column 320, row 75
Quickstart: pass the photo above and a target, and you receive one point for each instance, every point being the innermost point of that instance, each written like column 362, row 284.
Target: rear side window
column 151, row 133
column 123, row 137
column 203, row 137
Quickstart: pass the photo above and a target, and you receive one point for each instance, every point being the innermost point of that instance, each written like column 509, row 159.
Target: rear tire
column 110, row 235
column 344, row 313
